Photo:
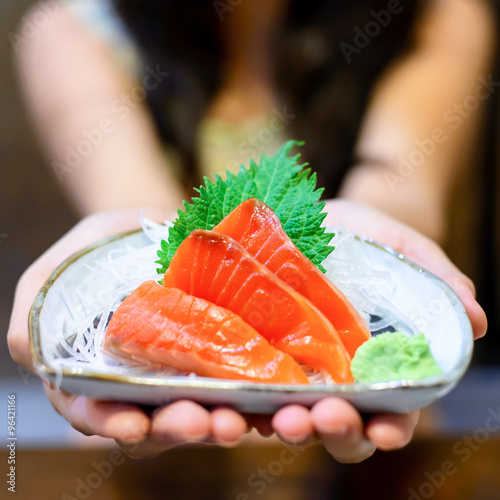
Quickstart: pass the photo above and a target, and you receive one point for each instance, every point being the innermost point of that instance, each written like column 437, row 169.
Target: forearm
column 424, row 116
column 118, row 166
column 92, row 122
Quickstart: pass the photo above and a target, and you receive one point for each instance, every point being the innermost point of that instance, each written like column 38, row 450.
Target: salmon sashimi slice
column 216, row 268
column 166, row 326
column 259, row 230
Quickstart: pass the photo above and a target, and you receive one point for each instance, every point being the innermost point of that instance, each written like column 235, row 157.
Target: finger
column 173, row 425
column 17, row 334
column 475, row 312
column 124, row 422
column 228, row 426
column 341, row 429
column 390, row 432
column 186, row 421
column 180, row 422
column 294, row 424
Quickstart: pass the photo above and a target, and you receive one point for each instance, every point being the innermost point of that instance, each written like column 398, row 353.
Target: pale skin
column 70, row 92
column 420, row 94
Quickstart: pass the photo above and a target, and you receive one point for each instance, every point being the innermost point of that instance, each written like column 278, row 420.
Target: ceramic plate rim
column 437, row 381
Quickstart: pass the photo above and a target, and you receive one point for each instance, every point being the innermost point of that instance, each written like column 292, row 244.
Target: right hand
column 138, row 433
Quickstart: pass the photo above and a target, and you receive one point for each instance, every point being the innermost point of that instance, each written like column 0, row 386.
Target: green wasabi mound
column 394, row 356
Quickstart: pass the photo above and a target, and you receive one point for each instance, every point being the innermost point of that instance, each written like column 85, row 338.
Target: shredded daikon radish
column 367, row 288
column 154, row 231
column 317, row 377
column 80, row 331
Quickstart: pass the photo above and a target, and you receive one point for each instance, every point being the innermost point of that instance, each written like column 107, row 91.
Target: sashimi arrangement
column 243, row 294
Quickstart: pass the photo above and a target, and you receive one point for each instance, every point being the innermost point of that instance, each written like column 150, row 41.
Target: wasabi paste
column 394, row 356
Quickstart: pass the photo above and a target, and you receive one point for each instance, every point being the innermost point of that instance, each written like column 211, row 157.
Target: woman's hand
column 335, row 421
column 423, row 251
column 138, row 433
column 341, row 429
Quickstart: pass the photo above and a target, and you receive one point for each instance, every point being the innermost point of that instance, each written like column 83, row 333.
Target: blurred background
column 454, row 456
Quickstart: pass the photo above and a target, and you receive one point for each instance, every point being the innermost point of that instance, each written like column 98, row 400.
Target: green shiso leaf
column 286, row 187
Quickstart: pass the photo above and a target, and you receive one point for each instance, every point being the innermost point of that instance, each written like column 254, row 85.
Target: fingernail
column 339, row 431
column 133, row 434
column 229, row 444
column 301, row 438
column 197, row 437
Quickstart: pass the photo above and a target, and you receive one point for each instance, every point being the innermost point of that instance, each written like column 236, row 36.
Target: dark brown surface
column 249, row 473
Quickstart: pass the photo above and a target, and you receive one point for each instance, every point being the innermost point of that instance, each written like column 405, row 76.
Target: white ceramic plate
column 73, row 290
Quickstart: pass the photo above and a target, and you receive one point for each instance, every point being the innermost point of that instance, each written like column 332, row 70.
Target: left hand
column 334, row 420
column 341, row 429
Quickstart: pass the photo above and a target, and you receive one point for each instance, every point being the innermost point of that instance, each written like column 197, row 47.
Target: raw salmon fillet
column 259, row 230
column 216, row 268
column 168, row 327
